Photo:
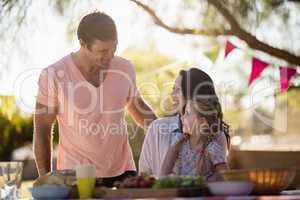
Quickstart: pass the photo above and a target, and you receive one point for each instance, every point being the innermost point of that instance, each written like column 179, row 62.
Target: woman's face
column 192, row 122
column 177, row 97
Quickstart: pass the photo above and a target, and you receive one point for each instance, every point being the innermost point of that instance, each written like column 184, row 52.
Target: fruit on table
column 136, row 182
column 179, row 182
column 145, row 181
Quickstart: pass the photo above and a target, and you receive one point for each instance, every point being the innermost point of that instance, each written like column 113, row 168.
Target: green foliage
column 15, row 130
column 146, row 60
column 60, row 5
column 291, row 98
column 213, row 53
column 155, row 76
column 136, row 138
column 233, row 117
column 8, row 107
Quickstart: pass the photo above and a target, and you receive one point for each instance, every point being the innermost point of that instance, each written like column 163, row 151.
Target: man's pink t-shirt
column 91, row 121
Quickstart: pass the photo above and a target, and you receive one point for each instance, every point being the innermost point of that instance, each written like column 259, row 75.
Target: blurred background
column 160, row 38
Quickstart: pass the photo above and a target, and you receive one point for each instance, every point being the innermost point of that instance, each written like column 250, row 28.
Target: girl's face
column 192, row 122
column 177, row 97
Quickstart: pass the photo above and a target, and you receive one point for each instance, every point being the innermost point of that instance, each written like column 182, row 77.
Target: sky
column 44, row 40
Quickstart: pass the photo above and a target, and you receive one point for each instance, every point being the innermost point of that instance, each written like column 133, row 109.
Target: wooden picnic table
column 275, row 197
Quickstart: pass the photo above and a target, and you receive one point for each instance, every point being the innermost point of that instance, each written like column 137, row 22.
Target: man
column 87, row 92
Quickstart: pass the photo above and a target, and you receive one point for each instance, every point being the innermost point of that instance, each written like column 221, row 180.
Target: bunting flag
column 229, row 47
column 285, row 76
column 257, row 67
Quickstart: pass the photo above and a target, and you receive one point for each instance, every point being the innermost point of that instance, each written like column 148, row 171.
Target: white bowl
column 230, row 188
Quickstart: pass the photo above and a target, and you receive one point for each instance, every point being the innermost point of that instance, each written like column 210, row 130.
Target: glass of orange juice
column 86, row 178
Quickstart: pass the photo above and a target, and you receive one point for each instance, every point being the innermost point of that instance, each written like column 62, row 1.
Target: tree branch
column 184, row 31
column 251, row 40
column 235, row 30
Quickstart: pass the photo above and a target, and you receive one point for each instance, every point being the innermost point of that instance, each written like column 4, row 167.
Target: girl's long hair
column 198, row 87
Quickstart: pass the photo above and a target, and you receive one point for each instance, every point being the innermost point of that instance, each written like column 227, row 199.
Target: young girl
column 202, row 149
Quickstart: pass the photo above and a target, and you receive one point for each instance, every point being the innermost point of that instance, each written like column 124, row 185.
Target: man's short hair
column 97, row 25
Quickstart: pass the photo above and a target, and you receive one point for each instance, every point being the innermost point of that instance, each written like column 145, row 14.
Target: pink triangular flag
column 228, row 48
column 257, row 67
column 285, row 76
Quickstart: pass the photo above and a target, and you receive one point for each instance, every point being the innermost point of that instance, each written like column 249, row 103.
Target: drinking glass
column 10, row 179
column 86, row 177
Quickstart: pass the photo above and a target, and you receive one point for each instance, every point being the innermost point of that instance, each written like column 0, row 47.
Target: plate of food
column 144, row 186
column 52, row 186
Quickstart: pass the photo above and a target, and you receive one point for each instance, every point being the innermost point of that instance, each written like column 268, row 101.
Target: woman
column 162, row 132
column 158, row 137
column 204, row 150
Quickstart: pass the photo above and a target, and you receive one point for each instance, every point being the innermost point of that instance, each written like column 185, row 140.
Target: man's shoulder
column 121, row 60
column 56, row 70
column 123, row 63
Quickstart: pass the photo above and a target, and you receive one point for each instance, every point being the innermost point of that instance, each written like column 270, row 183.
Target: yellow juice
column 85, row 187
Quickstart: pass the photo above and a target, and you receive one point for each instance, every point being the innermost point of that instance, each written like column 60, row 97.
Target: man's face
column 100, row 52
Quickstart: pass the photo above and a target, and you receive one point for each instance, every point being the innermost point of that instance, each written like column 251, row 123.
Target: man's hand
column 141, row 112
column 42, row 143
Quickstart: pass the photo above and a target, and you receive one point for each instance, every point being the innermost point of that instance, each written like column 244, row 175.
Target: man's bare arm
column 44, row 118
column 141, row 112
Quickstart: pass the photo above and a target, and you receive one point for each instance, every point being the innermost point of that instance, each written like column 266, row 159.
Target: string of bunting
column 258, row 66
